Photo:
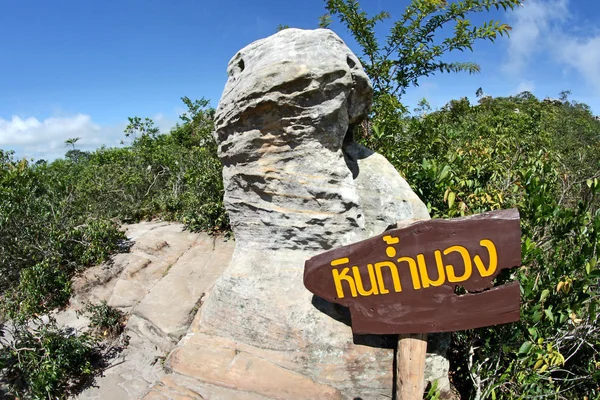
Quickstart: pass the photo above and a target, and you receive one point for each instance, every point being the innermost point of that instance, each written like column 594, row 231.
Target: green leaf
column 594, row 274
column 525, row 347
column 444, row 174
column 563, row 318
column 533, row 332
column 545, row 294
column 451, row 198
column 549, row 314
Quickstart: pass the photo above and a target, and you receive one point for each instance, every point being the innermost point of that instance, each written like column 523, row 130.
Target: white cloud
column 31, row 131
column 544, row 28
column 34, row 138
column 525, row 86
column 582, row 54
column 531, row 24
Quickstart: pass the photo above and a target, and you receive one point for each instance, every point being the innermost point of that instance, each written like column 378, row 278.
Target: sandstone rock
column 280, row 125
column 159, row 284
column 131, row 276
column 383, row 192
column 180, row 387
column 187, row 281
column 295, row 185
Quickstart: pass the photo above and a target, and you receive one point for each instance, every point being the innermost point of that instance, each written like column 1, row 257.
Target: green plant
column 41, row 287
column 524, row 153
column 92, row 242
column 104, row 319
column 44, row 361
column 415, row 44
column 58, row 218
column 72, row 141
column 432, row 392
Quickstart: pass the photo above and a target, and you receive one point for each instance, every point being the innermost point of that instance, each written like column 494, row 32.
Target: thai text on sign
column 405, row 280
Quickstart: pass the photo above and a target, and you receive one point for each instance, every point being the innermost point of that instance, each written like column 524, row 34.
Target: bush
column 44, row 362
column 58, row 218
column 542, row 158
column 61, row 217
column 104, row 319
column 41, row 287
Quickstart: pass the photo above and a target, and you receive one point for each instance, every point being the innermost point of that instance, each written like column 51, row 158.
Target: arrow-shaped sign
column 405, row 280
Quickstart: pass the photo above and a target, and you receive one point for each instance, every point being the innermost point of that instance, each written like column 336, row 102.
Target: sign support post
column 410, row 366
column 411, row 352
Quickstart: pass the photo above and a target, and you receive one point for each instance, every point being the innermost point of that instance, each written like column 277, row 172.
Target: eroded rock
column 295, row 185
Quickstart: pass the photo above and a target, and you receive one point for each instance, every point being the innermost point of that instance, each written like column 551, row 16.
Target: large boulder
column 296, row 184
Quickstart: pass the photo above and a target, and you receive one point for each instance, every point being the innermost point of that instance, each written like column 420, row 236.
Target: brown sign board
column 404, row 280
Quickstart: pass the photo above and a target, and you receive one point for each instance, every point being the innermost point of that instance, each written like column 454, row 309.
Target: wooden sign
column 405, row 280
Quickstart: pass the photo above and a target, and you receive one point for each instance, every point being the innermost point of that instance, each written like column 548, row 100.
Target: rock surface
column 296, row 185
column 159, row 284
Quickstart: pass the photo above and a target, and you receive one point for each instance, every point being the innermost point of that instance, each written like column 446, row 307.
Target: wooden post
column 410, row 358
column 410, row 366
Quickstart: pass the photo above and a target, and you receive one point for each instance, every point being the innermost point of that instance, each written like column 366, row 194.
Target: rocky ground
column 159, row 284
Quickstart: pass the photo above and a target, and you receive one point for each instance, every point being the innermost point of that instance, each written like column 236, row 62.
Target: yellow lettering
column 393, row 271
column 390, row 252
column 389, row 239
column 338, row 278
column 489, row 245
column 425, row 276
column 359, row 283
column 450, row 268
column 340, row 261
column 413, row 271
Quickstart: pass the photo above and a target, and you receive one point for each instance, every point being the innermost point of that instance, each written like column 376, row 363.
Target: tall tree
column 415, row 45
column 72, row 141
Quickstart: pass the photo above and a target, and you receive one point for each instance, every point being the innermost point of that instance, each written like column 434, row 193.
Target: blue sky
column 73, row 68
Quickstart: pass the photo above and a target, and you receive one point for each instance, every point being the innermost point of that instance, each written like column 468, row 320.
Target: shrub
column 58, row 218
column 542, row 158
column 41, row 287
column 104, row 319
column 44, row 362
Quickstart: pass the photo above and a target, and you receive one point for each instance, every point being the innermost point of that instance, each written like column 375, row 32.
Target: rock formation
column 296, row 184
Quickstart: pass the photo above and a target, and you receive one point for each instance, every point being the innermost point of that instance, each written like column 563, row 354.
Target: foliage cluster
column 44, row 361
column 105, row 320
column 175, row 176
column 538, row 156
column 46, row 235
column 542, row 158
column 415, row 44
column 58, row 218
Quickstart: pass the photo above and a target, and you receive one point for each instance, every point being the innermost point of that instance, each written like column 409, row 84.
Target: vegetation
column 45, row 361
column 542, row 158
column 58, row 218
column 415, row 45
column 104, row 319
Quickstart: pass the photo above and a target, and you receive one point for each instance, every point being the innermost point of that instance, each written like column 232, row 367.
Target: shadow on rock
column 105, row 356
column 342, row 314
